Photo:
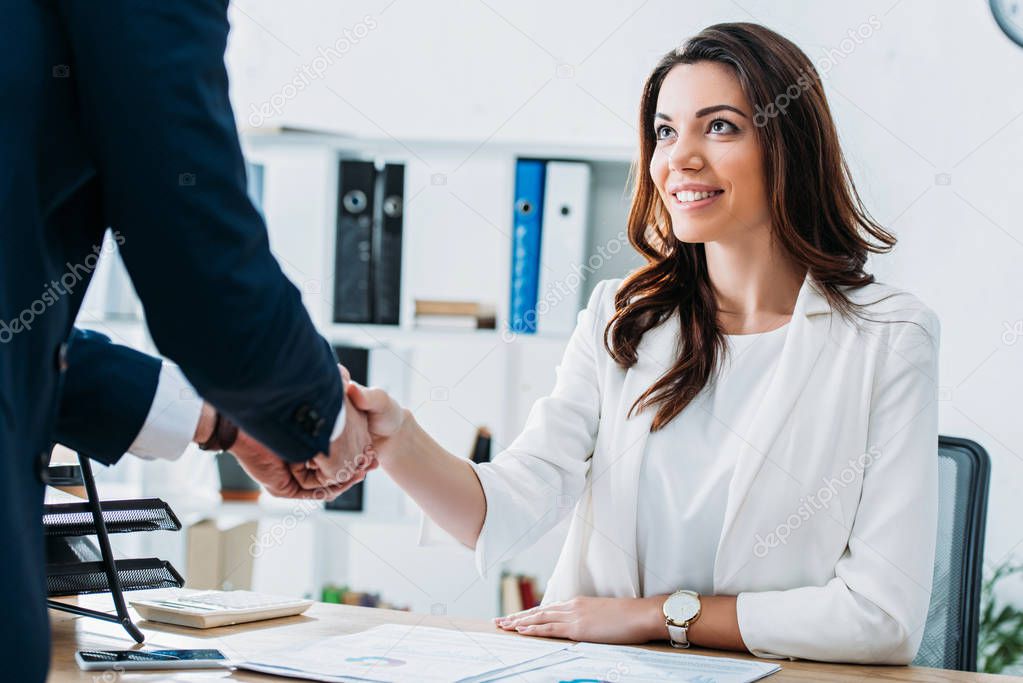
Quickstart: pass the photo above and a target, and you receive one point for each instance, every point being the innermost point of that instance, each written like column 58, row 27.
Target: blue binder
column 525, row 264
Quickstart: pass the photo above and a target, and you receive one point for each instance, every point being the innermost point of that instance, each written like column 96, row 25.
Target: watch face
column 1009, row 15
column 681, row 607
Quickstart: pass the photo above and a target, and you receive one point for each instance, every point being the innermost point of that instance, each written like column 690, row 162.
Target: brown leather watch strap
column 224, row 434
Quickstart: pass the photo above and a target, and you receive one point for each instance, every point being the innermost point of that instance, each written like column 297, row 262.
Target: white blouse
column 687, row 467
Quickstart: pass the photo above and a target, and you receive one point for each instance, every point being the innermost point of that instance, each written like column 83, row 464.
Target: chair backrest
column 950, row 635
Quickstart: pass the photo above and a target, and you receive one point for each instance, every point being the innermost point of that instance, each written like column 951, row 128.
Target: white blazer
column 830, row 527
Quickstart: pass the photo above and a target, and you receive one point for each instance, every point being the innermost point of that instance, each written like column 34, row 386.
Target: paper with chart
column 396, row 652
column 589, row 663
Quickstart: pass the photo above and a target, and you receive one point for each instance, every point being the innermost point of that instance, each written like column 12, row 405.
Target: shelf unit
column 457, row 226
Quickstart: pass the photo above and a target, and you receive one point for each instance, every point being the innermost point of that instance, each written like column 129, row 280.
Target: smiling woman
column 747, row 425
column 780, row 186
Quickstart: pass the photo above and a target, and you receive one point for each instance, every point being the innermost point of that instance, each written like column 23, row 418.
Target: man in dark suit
column 117, row 115
column 116, row 400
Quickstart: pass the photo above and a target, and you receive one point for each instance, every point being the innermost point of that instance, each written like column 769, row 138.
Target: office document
column 424, row 654
column 592, row 662
column 396, row 652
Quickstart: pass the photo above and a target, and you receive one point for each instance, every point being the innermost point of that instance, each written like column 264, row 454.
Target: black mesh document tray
column 119, row 517
column 91, row 577
column 76, row 565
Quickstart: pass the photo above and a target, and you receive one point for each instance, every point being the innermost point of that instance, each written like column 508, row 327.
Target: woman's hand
column 444, row 485
column 309, row 475
column 350, row 456
column 385, row 416
column 621, row 621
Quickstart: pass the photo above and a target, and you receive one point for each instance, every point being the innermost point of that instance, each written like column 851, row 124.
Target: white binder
column 563, row 266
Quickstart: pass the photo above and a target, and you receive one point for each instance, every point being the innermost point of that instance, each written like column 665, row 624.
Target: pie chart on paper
column 376, row 661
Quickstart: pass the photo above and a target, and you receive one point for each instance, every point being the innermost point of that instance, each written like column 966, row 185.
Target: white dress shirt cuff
column 758, row 622
column 339, row 422
column 172, row 419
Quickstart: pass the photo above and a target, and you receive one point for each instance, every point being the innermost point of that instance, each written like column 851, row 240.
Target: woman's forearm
column 628, row 621
column 716, row 628
column 718, row 625
column 444, row 485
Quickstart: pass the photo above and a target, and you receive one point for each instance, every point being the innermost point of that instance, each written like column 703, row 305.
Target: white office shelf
column 457, row 246
column 431, row 335
column 411, row 147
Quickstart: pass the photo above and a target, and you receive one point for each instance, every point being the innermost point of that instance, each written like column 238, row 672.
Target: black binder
column 356, row 199
column 356, row 359
column 481, row 447
column 387, row 245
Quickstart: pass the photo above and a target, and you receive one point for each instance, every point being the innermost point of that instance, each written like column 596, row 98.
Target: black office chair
column 950, row 635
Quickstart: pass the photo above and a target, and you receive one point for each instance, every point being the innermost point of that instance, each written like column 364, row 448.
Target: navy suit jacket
column 105, row 397
column 118, row 116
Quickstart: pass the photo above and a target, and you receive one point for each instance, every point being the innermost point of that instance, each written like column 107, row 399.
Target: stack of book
column 518, row 592
column 343, row 595
column 455, row 314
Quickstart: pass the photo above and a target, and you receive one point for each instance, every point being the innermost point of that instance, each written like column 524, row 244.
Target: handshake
column 371, row 418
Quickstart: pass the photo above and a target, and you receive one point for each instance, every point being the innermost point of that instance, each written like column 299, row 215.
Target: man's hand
column 351, row 453
column 278, row 476
column 264, row 466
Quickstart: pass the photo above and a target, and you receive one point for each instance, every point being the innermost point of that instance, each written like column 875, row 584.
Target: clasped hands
column 352, row 454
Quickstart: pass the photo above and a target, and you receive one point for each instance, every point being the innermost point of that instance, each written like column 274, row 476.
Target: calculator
column 208, row 609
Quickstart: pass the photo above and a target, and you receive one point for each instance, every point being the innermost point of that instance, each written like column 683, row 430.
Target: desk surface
column 72, row 633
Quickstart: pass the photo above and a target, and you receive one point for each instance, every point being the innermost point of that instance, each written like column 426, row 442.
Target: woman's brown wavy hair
column 816, row 214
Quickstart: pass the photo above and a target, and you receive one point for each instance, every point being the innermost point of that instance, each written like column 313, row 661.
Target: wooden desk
column 72, row 633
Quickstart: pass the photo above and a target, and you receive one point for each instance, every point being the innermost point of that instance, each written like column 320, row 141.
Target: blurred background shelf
column 456, row 246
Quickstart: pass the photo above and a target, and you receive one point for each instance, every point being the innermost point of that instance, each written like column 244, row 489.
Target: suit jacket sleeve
column 153, row 93
column 107, row 391
column 875, row 608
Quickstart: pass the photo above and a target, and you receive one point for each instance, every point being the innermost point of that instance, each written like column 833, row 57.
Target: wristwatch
column 223, row 435
column 681, row 609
